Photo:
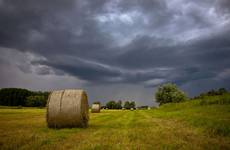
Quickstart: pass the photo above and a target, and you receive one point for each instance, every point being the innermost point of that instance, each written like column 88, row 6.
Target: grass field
column 189, row 125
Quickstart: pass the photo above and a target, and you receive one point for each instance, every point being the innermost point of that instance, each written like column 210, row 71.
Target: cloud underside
column 120, row 42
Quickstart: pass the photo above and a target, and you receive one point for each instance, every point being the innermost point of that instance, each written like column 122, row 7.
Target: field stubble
column 162, row 128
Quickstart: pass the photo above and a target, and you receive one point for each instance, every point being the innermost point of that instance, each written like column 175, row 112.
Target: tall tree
column 169, row 92
column 132, row 104
column 127, row 105
column 111, row 105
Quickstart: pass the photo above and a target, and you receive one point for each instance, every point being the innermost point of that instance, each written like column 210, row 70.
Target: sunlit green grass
column 188, row 125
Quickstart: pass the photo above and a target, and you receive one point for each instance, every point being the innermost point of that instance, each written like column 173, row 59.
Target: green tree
column 119, row 104
column 17, row 96
column 169, row 92
column 132, row 104
column 127, row 105
column 36, row 101
column 111, row 105
column 222, row 91
column 13, row 96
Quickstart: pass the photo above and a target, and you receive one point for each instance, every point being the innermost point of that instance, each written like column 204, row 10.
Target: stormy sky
column 115, row 49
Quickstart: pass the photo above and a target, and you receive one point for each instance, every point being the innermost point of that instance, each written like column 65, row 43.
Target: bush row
column 22, row 97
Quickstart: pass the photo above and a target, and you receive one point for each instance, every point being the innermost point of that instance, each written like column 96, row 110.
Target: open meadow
column 115, row 75
column 187, row 125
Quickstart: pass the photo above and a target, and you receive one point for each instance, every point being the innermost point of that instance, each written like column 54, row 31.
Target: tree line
column 170, row 93
column 22, row 97
column 27, row 98
column 165, row 93
column 118, row 104
column 213, row 92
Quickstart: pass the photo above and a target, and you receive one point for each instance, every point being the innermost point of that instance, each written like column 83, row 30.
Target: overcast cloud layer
column 115, row 49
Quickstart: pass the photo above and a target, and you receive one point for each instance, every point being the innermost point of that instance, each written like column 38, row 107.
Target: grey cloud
column 19, row 17
column 43, row 70
column 119, row 42
column 223, row 6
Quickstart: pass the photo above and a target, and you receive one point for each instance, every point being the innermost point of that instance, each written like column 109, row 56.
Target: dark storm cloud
column 19, row 18
column 224, row 6
column 85, row 70
column 131, row 41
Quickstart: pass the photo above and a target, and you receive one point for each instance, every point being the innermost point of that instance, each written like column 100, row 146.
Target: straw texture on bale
column 95, row 108
column 67, row 108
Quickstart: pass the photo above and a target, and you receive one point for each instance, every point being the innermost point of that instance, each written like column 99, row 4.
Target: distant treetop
column 212, row 92
column 168, row 93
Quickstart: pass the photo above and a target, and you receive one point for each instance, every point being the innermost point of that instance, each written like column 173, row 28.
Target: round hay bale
column 131, row 109
column 95, row 108
column 67, row 108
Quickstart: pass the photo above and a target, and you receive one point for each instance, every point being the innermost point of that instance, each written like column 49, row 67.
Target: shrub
column 13, row 96
column 119, row 105
column 17, row 96
column 36, row 101
column 114, row 105
column 129, row 105
column 132, row 104
column 168, row 93
column 210, row 100
column 225, row 99
column 126, row 105
column 111, row 105
column 220, row 91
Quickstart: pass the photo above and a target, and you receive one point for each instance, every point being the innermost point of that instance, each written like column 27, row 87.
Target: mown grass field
column 188, row 125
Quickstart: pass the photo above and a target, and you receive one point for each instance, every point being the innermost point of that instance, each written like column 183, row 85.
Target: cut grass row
column 173, row 126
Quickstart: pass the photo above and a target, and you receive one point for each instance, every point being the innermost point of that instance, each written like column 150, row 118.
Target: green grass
column 188, row 125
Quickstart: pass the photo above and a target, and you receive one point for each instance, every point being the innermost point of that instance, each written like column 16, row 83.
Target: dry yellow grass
column 140, row 129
